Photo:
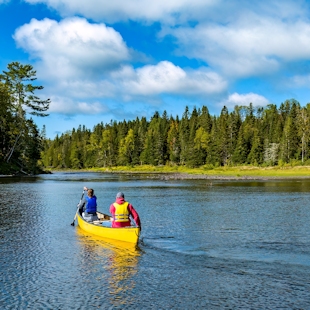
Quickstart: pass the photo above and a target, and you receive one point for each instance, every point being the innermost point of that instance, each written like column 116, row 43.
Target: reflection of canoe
column 128, row 234
column 119, row 261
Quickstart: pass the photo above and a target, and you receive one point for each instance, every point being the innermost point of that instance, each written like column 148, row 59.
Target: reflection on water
column 121, row 259
column 235, row 244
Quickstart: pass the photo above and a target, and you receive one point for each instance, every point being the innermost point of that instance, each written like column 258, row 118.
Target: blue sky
column 104, row 60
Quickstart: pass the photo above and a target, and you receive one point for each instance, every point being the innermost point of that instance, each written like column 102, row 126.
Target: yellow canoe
column 127, row 234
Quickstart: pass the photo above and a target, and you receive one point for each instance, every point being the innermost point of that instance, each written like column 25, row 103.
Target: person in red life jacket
column 121, row 211
column 88, row 206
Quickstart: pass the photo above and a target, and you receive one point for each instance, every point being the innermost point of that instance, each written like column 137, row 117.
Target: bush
column 295, row 162
column 208, row 167
column 281, row 163
column 307, row 162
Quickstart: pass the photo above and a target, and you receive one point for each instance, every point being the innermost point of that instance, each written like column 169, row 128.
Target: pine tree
column 303, row 128
column 290, row 142
column 17, row 93
column 201, row 145
column 223, row 137
column 184, row 134
column 126, row 149
column 173, row 141
column 147, row 155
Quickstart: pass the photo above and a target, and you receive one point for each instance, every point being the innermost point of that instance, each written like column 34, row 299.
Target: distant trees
column 20, row 140
column 246, row 135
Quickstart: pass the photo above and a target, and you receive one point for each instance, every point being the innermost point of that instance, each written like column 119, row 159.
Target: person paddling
column 88, row 205
column 121, row 210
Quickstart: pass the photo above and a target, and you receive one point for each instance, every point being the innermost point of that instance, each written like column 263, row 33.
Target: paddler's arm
column 135, row 215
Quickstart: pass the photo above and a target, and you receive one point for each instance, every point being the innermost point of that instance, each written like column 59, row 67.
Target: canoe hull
column 127, row 234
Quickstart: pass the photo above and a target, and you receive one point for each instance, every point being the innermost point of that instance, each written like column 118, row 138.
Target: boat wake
column 233, row 253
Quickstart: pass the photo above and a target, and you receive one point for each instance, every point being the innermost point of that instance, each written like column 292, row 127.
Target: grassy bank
column 235, row 172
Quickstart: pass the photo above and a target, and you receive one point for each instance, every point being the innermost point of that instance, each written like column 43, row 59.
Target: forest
column 263, row 136
column 248, row 135
column 21, row 142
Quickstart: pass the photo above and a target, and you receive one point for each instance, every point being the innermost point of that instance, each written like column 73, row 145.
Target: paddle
column 77, row 210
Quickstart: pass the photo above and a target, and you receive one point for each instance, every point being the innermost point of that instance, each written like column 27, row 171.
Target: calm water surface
column 225, row 245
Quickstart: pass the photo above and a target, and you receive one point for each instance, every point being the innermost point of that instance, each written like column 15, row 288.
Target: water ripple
column 235, row 245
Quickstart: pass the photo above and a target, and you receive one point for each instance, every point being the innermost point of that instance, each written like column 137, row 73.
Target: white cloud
column 238, row 38
column 73, row 47
column 65, row 105
column 175, row 11
column 298, row 81
column 82, row 88
column 244, row 99
column 89, row 62
column 119, row 10
column 166, row 78
column 244, row 48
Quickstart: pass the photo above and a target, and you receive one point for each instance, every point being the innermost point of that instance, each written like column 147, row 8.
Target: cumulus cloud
column 119, row 10
column 244, row 100
column 238, row 38
column 68, row 106
column 244, row 49
column 165, row 77
column 130, row 84
column 175, row 12
column 72, row 47
column 90, row 61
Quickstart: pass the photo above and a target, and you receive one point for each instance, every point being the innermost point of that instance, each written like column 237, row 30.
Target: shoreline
column 188, row 176
column 183, row 176
column 218, row 173
column 181, row 173
column 165, row 175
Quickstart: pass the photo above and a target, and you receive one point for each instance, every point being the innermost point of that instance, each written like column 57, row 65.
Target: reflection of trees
column 119, row 261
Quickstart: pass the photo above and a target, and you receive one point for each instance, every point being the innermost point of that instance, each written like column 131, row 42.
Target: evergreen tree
column 201, row 145
column 17, row 95
column 205, row 120
column 290, row 142
column 173, row 141
column 147, row 156
column 303, row 128
column 247, row 135
column 223, row 137
column 126, row 148
column 33, row 148
column 234, row 125
column 241, row 151
column 184, row 134
column 106, row 147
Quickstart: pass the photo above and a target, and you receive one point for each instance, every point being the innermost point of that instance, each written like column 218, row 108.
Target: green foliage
column 246, row 136
column 21, row 143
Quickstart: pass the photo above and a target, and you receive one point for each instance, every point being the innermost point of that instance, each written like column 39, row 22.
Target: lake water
column 219, row 245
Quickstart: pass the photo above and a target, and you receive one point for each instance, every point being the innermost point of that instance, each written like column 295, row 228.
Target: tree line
column 246, row 135
column 21, row 142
